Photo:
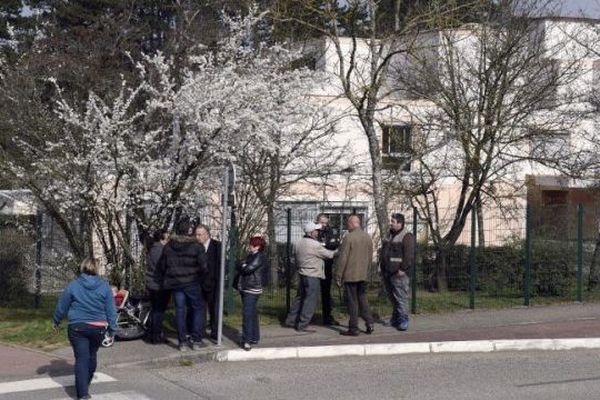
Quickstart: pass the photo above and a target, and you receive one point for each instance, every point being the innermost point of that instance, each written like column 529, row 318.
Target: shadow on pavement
column 59, row 368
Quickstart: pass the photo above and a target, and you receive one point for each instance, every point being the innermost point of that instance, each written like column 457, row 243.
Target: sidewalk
column 479, row 330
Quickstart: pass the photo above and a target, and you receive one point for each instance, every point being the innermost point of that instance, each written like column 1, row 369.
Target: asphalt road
column 548, row 375
column 503, row 376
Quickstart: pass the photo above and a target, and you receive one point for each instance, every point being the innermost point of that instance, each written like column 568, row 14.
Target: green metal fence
column 523, row 256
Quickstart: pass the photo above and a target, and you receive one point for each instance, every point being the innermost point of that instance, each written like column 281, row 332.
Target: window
column 396, row 146
column 547, row 80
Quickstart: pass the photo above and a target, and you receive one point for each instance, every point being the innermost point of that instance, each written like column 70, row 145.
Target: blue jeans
column 192, row 296
column 305, row 302
column 397, row 287
column 250, row 325
column 85, row 340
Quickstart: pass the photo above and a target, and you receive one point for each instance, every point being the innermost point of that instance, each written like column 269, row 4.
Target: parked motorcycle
column 132, row 318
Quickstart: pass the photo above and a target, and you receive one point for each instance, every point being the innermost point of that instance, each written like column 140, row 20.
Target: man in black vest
column 331, row 241
column 396, row 259
column 210, row 283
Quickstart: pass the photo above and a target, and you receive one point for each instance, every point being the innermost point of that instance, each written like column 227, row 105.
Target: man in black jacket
column 210, row 283
column 331, row 241
column 182, row 266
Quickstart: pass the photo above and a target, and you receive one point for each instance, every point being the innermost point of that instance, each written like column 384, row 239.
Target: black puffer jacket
column 183, row 263
column 249, row 273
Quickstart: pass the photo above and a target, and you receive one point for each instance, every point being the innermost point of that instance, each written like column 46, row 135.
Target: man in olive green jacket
column 352, row 267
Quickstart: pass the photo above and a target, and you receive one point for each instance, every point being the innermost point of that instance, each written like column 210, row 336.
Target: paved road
column 561, row 375
column 503, row 376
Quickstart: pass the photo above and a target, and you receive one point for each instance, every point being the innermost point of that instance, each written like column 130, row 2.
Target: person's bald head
column 353, row 222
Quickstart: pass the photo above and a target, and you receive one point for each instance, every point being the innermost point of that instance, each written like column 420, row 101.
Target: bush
column 500, row 269
column 15, row 273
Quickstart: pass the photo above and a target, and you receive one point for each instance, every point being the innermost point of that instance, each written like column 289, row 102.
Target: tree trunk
column 273, row 253
column 480, row 227
column 379, row 198
column 441, row 270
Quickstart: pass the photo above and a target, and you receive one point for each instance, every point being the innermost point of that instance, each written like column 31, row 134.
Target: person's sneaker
column 403, row 326
column 246, row 346
column 183, row 347
column 198, row 345
column 85, row 397
column 369, row 329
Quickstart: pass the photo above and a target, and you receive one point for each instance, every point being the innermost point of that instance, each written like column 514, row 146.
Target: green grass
column 22, row 324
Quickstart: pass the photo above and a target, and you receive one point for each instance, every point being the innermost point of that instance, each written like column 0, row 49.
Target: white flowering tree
column 132, row 161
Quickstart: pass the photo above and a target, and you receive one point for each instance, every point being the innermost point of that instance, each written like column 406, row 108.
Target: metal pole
column 527, row 278
column 233, row 243
column 38, row 258
column 472, row 267
column 288, row 260
column 413, row 275
column 579, row 251
column 223, row 253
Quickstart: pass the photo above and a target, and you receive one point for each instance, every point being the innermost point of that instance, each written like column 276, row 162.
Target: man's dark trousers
column 305, row 302
column 211, row 300
column 326, row 301
column 356, row 301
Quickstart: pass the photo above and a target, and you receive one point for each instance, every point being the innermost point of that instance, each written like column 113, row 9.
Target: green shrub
column 500, row 269
column 15, row 273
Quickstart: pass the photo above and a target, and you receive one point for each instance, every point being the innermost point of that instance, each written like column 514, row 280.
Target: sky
column 576, row 8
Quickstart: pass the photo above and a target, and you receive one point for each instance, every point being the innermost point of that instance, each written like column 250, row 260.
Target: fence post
column 231, row 259
column 579, row 251
column 288, row 262
column 527, row 272
column 413, row 281
column 472, row 267
column 39, row 218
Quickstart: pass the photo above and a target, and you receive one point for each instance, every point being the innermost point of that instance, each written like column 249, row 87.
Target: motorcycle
column 132, row 318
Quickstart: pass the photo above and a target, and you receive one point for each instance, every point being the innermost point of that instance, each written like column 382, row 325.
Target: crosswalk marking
column 48, row 383
column 127, row 395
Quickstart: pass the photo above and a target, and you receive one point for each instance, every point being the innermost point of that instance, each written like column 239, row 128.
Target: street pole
column 38, row 257
column 472, row 267
column 413, row 280
column 579, row 252
column 223, row 254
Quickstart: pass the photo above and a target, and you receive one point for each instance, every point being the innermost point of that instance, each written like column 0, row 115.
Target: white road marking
column 127, row 395
column 48, row 383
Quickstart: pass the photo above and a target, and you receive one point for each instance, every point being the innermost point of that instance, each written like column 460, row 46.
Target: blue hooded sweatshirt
column 87, row 299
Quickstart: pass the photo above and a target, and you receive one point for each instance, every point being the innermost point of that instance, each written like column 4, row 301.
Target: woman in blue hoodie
column 90, row 308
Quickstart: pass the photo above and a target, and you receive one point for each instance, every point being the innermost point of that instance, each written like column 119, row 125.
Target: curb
column 478, row 346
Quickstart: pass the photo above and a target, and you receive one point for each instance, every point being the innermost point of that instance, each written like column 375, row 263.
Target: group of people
column 315, row 254
column 185, row 266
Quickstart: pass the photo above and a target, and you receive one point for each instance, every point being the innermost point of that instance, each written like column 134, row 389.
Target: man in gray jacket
column 396, row 259
column 310, row 254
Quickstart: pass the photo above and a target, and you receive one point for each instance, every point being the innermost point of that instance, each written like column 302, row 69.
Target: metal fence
column 522, row 256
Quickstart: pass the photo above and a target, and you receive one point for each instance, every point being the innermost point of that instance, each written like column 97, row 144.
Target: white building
column 414, row 131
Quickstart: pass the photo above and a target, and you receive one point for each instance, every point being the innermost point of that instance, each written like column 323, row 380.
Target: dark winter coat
column 153, row 258
column 213, row 266
column 182, row 264
column 249, row 273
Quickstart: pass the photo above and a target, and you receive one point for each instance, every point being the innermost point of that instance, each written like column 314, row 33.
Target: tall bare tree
column 497, row 97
